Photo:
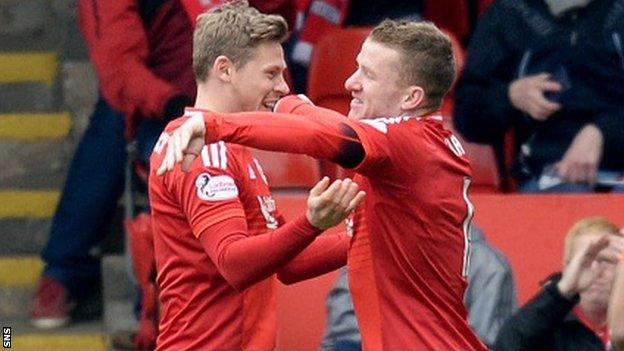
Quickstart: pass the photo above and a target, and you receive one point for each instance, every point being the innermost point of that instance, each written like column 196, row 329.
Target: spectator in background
column 490, row 299
column 616, row 308
column 552, row 70
column 141, row 52
column 570, row 312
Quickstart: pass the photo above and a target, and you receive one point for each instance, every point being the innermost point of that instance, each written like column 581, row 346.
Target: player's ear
column 222, row 68
column 414, row 97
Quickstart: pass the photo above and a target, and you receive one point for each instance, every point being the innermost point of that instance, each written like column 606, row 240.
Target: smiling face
column 404, row 68
column 376, row 87
column 259, row 82
column 238, row 59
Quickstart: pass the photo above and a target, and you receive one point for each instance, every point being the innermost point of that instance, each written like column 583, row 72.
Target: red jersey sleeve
column 371, row 135
column 306, row 129
column 327, row 253
column 118, row 47
column 244, row 260
column 209, row 198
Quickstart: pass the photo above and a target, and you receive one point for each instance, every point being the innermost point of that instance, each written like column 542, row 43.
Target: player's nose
column 281, row 86
column 352, row 83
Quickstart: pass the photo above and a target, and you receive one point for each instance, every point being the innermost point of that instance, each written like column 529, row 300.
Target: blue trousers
column 90, row 195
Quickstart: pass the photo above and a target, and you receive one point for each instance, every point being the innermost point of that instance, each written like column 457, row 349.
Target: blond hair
column 233, row 30
column 426, row 56
column 586, row 226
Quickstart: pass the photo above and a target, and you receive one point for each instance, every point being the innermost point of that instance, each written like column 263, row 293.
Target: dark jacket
column 583, row 50
column 546, row 323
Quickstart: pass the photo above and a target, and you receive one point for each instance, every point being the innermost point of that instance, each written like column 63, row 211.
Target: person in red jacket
column 142, row 54
column 219, row 237
column 409, row 255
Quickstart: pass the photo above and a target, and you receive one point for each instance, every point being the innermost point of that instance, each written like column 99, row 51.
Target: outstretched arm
column 322, row 133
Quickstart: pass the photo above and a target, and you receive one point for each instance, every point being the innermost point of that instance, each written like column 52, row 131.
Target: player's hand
column 289, row 103
column 329, row 205
column 184, row 145
column 580, row 162
column 583, row 268
column 615, row 250
column 527, row 94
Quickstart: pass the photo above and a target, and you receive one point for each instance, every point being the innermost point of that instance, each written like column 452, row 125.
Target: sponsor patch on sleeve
column 215, row 188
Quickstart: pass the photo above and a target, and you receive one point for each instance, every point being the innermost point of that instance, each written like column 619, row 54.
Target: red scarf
column 322, row 17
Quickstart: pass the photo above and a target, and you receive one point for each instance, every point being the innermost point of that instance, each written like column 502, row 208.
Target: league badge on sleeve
column 215, row 188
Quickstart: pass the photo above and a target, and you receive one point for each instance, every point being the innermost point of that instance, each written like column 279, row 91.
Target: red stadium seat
column 484, row 170
column 483, row 161
column 333, row 61
column 449, row 14
column 288, row 170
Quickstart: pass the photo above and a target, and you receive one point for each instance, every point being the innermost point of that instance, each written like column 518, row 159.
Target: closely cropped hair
column 233, row 30
column 586, row 226
column 426, row 55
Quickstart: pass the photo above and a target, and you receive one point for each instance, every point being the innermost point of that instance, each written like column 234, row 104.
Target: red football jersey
column 409, row 255
column 200, row 310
